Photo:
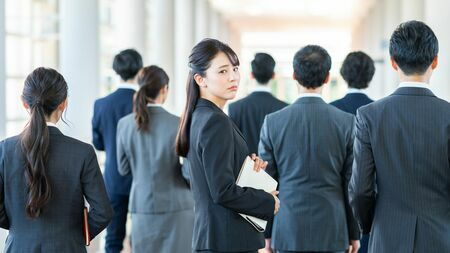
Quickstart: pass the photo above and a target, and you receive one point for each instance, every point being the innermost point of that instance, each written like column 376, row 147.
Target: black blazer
column 402, row 146
column 248, row 114
column 107, row 113
column 216, row 153
column 309, row 148
column 351, row 102
column 74, row 174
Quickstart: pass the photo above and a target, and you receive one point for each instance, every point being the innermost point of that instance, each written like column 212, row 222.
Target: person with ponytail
column 161, row 204
column 216, row 151
column 46, row 176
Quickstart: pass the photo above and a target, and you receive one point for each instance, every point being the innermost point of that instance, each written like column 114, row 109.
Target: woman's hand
column 259, row 163
column 277, row 201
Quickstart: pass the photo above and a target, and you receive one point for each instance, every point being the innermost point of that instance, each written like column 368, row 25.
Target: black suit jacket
column 309, row 148
column 248, row 114
column 107, row 113
column 402, row 146
column 216, row 153
column 74, row 174
column 351, row 102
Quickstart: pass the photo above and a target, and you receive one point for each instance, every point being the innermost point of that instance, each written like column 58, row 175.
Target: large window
column 31, row 41
column 108, row 47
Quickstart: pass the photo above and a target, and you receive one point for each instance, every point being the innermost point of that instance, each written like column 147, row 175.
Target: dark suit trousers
column 310, row 251
column 115, row 232
column 364, row 244
column 209, row 251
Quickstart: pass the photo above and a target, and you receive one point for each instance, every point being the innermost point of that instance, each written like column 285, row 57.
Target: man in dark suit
column 402, row 144
column 309, row 149
column 107, row 112
column 248, row 113
column 357, row 70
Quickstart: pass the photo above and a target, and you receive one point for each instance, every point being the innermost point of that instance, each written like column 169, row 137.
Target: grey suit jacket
column 74, row 174
column 402, row 146
column 309, row 149
column 158, row 185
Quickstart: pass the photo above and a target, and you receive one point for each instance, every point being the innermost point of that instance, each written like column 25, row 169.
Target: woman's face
column 221, row 80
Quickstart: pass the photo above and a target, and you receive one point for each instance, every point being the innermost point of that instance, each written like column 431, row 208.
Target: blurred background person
column 161, row 204
column 107, row 112
column 248, row 113
column 357, row 70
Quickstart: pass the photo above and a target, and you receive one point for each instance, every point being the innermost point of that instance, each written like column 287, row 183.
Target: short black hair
column 127, row 64
column 413, row 46
column 262, row 67
column 311, row 64
column 358, row 70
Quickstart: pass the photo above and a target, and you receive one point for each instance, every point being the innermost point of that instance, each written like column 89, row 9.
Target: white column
column 162, row 40
column 184, row 37
column 129, row 19
column 79, row 61
column 412, row 10
column 391, row 21
column 2, row 73
column 201, row 20
column 436, row 18
column 373, row 38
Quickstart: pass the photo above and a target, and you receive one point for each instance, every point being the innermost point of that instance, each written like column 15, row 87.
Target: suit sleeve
column 362, row 193
column 352, row 224
column 265, row 150
column 97, row 136
column 100, row 211
column 217, row 153
column 4, row 221
column 123, row 162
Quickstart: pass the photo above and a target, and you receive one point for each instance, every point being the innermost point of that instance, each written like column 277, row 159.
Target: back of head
column 127, row 64
column 311, row 66
column 413, row 46
column 199, row 61
column 358, row 70
column 263, row 66
column 44, row 90
column 151, row 80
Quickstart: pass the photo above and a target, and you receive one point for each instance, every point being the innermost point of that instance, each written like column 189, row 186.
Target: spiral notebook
column 257, row 180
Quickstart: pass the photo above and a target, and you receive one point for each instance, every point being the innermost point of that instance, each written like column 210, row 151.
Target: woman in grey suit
column 161, row 203
column 216, row 150
column 45, row 177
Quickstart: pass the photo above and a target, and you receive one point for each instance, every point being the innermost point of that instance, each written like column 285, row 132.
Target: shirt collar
column 260, row 88
column 353, row 90
column 302, row 95
column 52, row 124
column 154, row 105
column 414, row 85
column 128, row 86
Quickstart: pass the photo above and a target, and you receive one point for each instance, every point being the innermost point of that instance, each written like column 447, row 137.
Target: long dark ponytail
column 199, row 61
column 44, row 90
column 151, row 80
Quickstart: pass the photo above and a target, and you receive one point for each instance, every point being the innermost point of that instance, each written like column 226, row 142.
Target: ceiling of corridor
column 291, row 14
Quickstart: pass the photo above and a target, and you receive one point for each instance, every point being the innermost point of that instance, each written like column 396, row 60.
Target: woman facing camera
column 161, row 203
column 216, row 150
column 45, row 176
